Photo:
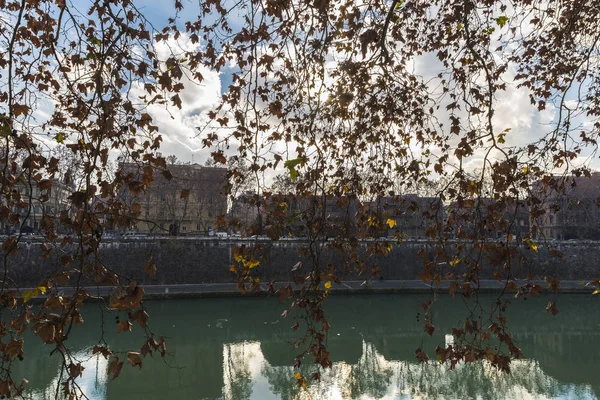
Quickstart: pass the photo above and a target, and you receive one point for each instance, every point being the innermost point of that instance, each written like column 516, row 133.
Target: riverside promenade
column 354, row 287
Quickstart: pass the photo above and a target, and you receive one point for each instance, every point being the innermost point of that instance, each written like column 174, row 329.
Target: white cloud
column 178, row 126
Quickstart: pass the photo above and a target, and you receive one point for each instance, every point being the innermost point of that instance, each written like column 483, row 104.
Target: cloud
column 178, row 126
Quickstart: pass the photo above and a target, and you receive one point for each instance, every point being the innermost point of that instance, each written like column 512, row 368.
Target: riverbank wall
column 207, row 260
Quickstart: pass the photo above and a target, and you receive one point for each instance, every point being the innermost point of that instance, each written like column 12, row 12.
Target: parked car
column 132, row 235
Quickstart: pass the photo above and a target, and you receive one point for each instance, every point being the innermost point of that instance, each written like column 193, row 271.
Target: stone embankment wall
column 200, row 260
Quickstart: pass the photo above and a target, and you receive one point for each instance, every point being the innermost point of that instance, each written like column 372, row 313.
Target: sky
column 178, row 127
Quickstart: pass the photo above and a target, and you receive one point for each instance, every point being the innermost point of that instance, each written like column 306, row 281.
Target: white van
column 221, row 235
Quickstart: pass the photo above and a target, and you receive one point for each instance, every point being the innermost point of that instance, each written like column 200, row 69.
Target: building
column 244, row 212
column 285, row 215
column 187, row 203
column 570, row 208
column 49, row 197
column 487, row 218
column 414, row 216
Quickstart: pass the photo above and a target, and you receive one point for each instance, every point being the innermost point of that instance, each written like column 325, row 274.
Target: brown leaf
column 124, row 326
column 134, row 359
column 162, row 347
column 285, row 293
column 6, row 388
column 552, row 307
column 426, row 276
column 219, row 157
column 45, row 184
column 20, row 109
column 497, row 276
column 114, row 367
column 167, row 174
column 46, row 331
column 141, row 317
column 150, row 267
column 76, row 370
column 14, row 348
column 102, row 350
column 9, row 243
column 429, row 328
column 421, row 356
column 176, row 101
column 145, row 350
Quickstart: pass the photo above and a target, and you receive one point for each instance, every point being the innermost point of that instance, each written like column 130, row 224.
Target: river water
column 239, row 349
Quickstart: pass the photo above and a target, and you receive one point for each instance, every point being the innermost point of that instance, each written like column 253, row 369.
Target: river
column 239, row 349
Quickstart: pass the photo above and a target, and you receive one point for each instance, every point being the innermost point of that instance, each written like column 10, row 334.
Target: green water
column 238, row 349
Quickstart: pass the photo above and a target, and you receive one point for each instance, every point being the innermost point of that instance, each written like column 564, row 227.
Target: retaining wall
column 207, row 260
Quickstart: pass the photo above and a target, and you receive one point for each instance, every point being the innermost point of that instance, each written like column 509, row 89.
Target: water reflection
column 93, row 382
column 238, row 349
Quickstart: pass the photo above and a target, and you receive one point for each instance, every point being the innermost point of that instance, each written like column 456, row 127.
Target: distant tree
column 283, row 184
column 172, row 159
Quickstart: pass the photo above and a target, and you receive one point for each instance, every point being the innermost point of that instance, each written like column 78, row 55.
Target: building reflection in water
column 228, row 352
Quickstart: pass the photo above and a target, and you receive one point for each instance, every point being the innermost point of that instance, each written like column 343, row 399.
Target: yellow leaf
column 42, row 289
column 525, row 170
column 28, row 294
column 454, row 261
column 298, row 375
column 251, row 263
column 372, row 221
column 238, row 257
column 328, row 285
column 233, row 268
column 531, row 244
column 391, row 222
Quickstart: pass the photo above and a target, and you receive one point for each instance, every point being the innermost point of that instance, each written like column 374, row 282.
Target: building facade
column 414, row 216
column 487, row 218
column 571, row 208
column 186, row 200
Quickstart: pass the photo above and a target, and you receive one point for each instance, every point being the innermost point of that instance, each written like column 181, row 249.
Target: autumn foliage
column 352, row 101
